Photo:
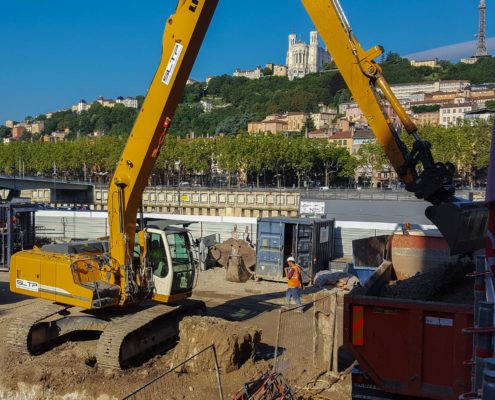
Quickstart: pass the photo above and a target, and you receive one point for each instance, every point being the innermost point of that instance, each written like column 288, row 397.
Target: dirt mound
column 234, row 344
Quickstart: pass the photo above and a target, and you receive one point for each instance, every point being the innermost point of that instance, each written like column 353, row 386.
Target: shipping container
column 309, row 241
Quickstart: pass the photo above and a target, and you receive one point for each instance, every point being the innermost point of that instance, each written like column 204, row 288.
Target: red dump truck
column 404, row 327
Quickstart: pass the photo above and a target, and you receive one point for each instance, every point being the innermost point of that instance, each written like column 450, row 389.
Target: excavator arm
column 182, row 39
column 184, row 33
column 369, row 88
column 462, row 223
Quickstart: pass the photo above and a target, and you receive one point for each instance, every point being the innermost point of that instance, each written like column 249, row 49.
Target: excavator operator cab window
column 157, row 255
column 182, row 261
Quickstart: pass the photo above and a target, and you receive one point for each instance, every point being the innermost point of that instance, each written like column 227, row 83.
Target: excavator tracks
column 131, row 338
column 22, row 336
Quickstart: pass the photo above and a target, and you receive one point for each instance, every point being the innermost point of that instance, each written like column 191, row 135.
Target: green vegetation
column 259, row 158
column 400, row 70
column 4, row 131
column 252, row 159
column 425, row 108
column 237, row 101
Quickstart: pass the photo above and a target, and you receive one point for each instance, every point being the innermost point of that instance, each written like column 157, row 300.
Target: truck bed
column 409, row 347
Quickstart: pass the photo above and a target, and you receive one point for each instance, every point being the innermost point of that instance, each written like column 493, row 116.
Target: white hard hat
column 291, row 259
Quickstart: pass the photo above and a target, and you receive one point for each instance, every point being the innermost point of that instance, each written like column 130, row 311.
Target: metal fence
column 308, row 339
column 172, row 384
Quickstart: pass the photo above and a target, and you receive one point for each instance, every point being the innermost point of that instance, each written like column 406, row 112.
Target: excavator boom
column 462, row 223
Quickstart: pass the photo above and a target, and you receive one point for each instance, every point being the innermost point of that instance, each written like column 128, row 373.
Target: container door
column 270, row 249
column 303, row 240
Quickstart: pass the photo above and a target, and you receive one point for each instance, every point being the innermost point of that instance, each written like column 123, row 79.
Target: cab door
column 172, row 262
column 159, row 261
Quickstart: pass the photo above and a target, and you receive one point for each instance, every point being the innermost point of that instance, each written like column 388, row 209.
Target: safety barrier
column 308, row 339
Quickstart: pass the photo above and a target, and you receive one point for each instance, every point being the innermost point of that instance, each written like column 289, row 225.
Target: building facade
column 277, row 69
column 303, row 59
column 18, row 131
column 425, row 63
column 427, row 118
column 453, row 114
column 405, row 91
column 342, row 139
column 256, row 73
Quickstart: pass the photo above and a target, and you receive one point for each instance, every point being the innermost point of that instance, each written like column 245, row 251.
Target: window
column 157, row 256
column 182, row 261
column 344, row 142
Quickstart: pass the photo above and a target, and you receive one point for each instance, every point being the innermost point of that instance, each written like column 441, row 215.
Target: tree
column 267, row 71
column 309, row 125
column 426, row 108
column 334, row 160
column 5, row 132
column 490, row 104
column 371, row 159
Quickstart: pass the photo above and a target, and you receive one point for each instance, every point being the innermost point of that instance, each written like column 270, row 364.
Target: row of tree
column 252, row 159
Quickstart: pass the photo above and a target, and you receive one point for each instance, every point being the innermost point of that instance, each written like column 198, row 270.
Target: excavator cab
column 171, row 259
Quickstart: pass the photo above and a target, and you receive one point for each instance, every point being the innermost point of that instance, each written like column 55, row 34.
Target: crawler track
column 131, row 338
column 22, row 336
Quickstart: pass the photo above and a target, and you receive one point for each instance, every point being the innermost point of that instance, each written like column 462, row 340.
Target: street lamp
column 177, row 165
column 54, row 174
column 14, row 168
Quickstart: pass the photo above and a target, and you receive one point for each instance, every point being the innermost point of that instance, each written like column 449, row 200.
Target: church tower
column 313, row 52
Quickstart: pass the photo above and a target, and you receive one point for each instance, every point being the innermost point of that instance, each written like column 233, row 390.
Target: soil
column 68, row 370
column 445, row 283
column 234, row 345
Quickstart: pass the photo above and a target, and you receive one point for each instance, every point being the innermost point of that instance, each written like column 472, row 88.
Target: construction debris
column 436, row 284
column 265, row 386
column 341, row 280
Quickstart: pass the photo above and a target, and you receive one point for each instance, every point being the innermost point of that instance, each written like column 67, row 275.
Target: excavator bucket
column 236, row 270
column 462, row 223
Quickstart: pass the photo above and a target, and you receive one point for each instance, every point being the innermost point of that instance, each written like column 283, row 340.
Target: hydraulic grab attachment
column 462, row 223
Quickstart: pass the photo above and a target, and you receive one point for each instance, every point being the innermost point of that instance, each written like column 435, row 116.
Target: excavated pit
column 65, row 372
column 234, row 344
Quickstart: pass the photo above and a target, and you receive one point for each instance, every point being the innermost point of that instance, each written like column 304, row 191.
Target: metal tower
column 481, row 50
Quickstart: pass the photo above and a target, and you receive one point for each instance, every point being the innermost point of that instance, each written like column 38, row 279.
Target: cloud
column 452, row 52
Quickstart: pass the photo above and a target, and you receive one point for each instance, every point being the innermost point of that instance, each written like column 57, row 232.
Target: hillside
column 234, row 102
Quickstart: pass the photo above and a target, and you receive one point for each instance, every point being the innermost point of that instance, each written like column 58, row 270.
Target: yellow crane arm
column 184, row 33
column 182, row 39
column 360, row 73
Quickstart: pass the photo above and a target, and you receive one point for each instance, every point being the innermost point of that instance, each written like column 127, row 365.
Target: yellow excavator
column 135, row 291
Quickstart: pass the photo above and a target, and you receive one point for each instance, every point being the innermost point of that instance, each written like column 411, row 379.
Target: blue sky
column 55, row 52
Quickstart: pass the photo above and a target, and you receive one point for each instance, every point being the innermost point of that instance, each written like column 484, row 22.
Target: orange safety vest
column 295, row 280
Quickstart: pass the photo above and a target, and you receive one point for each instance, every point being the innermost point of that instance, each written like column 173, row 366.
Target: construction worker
column 294, row 289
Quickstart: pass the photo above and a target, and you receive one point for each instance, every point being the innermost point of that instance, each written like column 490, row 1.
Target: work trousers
column 295, row 293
